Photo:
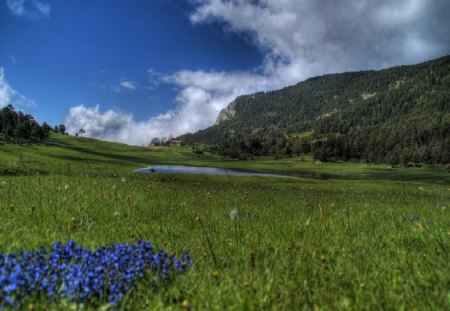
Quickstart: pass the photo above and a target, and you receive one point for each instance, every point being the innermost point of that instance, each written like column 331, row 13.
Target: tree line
column 18, row 127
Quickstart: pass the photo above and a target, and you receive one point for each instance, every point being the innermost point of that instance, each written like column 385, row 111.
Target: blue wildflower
column 69, row 271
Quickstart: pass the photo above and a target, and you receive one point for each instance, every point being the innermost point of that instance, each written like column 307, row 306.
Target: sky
column 129, row 71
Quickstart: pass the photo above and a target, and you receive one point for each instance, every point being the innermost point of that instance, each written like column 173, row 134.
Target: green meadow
column 371, row 237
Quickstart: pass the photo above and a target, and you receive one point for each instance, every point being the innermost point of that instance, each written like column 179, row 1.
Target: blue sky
column 132, row 70
column 80, row 54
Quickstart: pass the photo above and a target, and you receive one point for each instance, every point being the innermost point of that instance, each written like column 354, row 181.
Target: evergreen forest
column 399, row 115
column 18, row 127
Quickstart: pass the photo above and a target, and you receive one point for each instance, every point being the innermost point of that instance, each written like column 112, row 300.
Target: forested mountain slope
column 395, row 115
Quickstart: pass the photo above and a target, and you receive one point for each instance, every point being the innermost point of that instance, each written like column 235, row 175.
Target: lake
column 182, row 169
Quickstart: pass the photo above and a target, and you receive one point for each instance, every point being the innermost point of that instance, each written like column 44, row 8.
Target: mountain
column 396, row 115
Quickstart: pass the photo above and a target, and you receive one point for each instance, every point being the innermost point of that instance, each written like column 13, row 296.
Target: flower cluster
column 70, row 271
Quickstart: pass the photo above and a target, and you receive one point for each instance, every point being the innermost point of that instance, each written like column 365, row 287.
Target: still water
column 181, row 169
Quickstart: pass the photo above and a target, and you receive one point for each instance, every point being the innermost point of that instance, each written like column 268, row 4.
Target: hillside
column 397, row 115
column 64, row 154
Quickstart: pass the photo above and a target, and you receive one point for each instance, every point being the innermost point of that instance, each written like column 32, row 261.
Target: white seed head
column 234, row 214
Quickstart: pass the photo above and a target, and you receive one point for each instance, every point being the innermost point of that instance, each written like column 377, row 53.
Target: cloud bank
column 31, row 9
column 10, row 96
column 114, row 125
column 299, row 39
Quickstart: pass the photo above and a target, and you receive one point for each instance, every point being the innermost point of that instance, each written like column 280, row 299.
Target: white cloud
column 124, row 86
column 10, row 96
column 130, row 85
column 309, row 37
column 299, row 39
column 154, row 78
column 114, row 125
column 31, row 9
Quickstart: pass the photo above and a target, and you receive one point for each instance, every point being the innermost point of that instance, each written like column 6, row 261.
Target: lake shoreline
column 220, row 171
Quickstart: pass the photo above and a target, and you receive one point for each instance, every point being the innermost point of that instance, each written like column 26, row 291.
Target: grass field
column 381, row 241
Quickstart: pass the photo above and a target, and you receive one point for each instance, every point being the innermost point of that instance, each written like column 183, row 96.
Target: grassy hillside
column 257, row 243
column 397, row 115
column 64, row 154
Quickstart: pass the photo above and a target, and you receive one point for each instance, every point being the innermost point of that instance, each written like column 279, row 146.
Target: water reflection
column 181, row 169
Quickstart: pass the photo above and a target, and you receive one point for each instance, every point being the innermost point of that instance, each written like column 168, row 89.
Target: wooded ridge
column 397, row 115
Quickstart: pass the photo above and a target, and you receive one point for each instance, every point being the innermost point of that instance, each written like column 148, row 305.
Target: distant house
column 175, row 142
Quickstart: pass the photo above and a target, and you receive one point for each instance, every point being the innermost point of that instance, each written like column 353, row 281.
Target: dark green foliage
column 62, row 129
column 397, row 115
column 18, row 127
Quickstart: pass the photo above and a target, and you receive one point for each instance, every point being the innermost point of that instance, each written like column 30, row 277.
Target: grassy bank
column 288, row 243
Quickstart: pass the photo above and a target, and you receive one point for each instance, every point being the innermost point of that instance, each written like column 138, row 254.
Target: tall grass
column 289, row 243
column 294, row 244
